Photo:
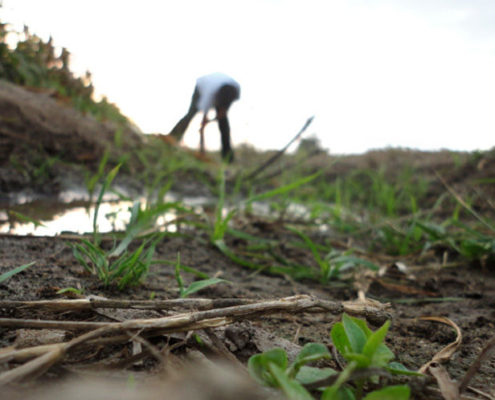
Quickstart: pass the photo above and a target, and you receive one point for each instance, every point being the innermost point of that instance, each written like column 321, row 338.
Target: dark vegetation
column 415, row 229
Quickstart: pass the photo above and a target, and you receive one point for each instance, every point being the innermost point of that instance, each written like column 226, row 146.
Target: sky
column 374, row 73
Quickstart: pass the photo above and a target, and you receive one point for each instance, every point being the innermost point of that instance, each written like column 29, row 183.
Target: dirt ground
column 465, row 293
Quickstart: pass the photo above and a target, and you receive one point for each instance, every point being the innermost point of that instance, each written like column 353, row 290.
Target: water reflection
column 57, row 217
column 72, row 212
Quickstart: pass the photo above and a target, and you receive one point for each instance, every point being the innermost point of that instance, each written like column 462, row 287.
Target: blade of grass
column 16, row 270
column 283, row 189
column 108, row 181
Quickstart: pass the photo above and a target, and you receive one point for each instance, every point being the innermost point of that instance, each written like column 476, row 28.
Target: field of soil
column 146, row 361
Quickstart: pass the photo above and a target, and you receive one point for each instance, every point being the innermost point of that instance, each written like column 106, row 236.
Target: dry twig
column 187, row 321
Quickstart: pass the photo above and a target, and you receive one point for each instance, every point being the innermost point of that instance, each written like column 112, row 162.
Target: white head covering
column 208, row 86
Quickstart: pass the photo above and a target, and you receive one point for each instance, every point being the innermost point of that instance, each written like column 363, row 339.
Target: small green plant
column 471, row 243
column 367, row 356
column 221, row 223
column 334, row 261
column 272, row 368
column 128, row 269
column 400, row 240
column 119, row 264
column 194, row 286
column 143, row 220
column 364, row 349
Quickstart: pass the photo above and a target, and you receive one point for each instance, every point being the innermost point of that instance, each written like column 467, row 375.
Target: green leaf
column 374, row 341
column 283, row 189
column 276, row 356
column 362, row 324
column 340, row 339
column 258, row 365
column 398, row 392
column 397, row 368
column 360, row 359
column 178, row 277
column 336, row 393
column 357, row 337
column 108, row 181
column 69, row 290
column 323, row 264
column 16, row 270
column 275, row 269
column 382, row 356
column 307, row 375
column 309, row 353
column 259, row 371
column 292, row 389
column 198, row 285
column 221, row 225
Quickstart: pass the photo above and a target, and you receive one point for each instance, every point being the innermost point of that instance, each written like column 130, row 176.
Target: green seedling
column 221, row 223
column 334, row 261
column 364, row 349
column 400, row 241
column 128, row 269
column 194, row 286
column 471, row 243
column 16, row 270
column 367, row 358
column 143, row 220
column 272, row 368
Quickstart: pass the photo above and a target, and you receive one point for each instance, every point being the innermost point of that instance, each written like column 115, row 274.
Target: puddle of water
column 72, row 212
column 74, row 217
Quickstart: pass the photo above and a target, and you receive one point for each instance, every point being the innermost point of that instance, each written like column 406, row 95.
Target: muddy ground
column 465, row 293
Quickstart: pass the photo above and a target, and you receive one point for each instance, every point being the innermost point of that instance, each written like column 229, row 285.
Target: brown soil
column 464, row 293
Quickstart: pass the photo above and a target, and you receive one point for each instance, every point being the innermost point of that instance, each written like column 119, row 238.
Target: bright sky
column 375, row 73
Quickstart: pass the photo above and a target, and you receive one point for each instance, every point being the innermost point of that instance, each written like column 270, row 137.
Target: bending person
column 217, row 91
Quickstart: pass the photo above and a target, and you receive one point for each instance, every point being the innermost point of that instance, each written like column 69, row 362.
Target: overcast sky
column 418, row 73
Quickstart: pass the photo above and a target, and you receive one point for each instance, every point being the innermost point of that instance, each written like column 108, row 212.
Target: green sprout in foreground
column 368, row 360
